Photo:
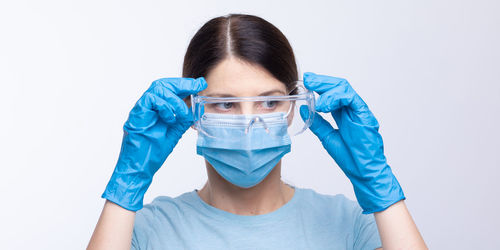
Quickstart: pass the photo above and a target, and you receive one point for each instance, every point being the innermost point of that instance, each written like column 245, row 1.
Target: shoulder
column 337, row 209
column 338, row 203
column 344, row 214
column 308, row 193
column 163, row 208
column 160, row 220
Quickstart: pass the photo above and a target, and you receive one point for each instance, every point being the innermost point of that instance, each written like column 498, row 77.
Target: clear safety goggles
column 240, row 116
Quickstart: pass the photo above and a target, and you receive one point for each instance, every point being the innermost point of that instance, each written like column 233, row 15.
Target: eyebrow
column 267, row 93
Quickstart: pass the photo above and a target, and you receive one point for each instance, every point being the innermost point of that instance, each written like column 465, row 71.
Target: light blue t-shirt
column 308, row 221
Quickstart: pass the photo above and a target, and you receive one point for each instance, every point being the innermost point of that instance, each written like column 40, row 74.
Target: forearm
column 397, row 228
column 114, row 228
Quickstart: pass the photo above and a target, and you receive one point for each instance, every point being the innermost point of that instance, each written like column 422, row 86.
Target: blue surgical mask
column 244, row 149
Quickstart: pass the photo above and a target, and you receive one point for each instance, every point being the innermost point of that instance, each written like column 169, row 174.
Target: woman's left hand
column 356, row 146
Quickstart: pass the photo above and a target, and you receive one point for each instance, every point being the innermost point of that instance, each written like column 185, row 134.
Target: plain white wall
column 70, row 71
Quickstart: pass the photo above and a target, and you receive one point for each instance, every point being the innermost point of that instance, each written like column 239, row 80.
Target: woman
column 245, row 204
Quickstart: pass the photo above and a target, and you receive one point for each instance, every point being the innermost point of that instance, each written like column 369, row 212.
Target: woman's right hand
column 154, row 126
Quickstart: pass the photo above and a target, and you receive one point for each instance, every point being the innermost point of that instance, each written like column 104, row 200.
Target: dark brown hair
column 246, row 37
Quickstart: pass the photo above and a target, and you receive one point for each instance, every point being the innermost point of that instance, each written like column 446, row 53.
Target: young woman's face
column 235, row 78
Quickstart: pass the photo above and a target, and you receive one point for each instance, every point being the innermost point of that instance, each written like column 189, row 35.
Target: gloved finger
column 339, row 97
column 349, row 120
column 179, row 108
column 334, row 99
column 322, row 83
column 181, row 86
column 164, row 109
column 320, row 127
column 144, row 114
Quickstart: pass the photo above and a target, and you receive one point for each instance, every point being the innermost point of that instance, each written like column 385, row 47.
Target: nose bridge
column 247, row 108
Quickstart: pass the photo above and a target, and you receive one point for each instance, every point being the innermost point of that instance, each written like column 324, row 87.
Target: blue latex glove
column 356, row 146
column 154, row 126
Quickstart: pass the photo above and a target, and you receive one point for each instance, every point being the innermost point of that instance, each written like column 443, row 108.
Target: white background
column 70, row 71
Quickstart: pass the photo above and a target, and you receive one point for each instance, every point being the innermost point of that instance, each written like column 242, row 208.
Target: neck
column 265, row 197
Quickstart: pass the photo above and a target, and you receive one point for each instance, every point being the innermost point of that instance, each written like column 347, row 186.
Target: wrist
column 126, row 191
column 378, row 193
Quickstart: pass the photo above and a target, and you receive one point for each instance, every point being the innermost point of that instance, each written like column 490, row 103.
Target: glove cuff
column 128, row 196
column 378, row 194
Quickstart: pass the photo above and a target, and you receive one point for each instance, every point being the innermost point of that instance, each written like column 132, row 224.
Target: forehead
column 234, row 77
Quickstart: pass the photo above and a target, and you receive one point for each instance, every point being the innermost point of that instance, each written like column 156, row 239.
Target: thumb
column 320, row 127
column 329, row 137
column 181, row 86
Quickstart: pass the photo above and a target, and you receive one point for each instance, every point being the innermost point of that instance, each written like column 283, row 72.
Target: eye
column 224, row 105
column 269, row 104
